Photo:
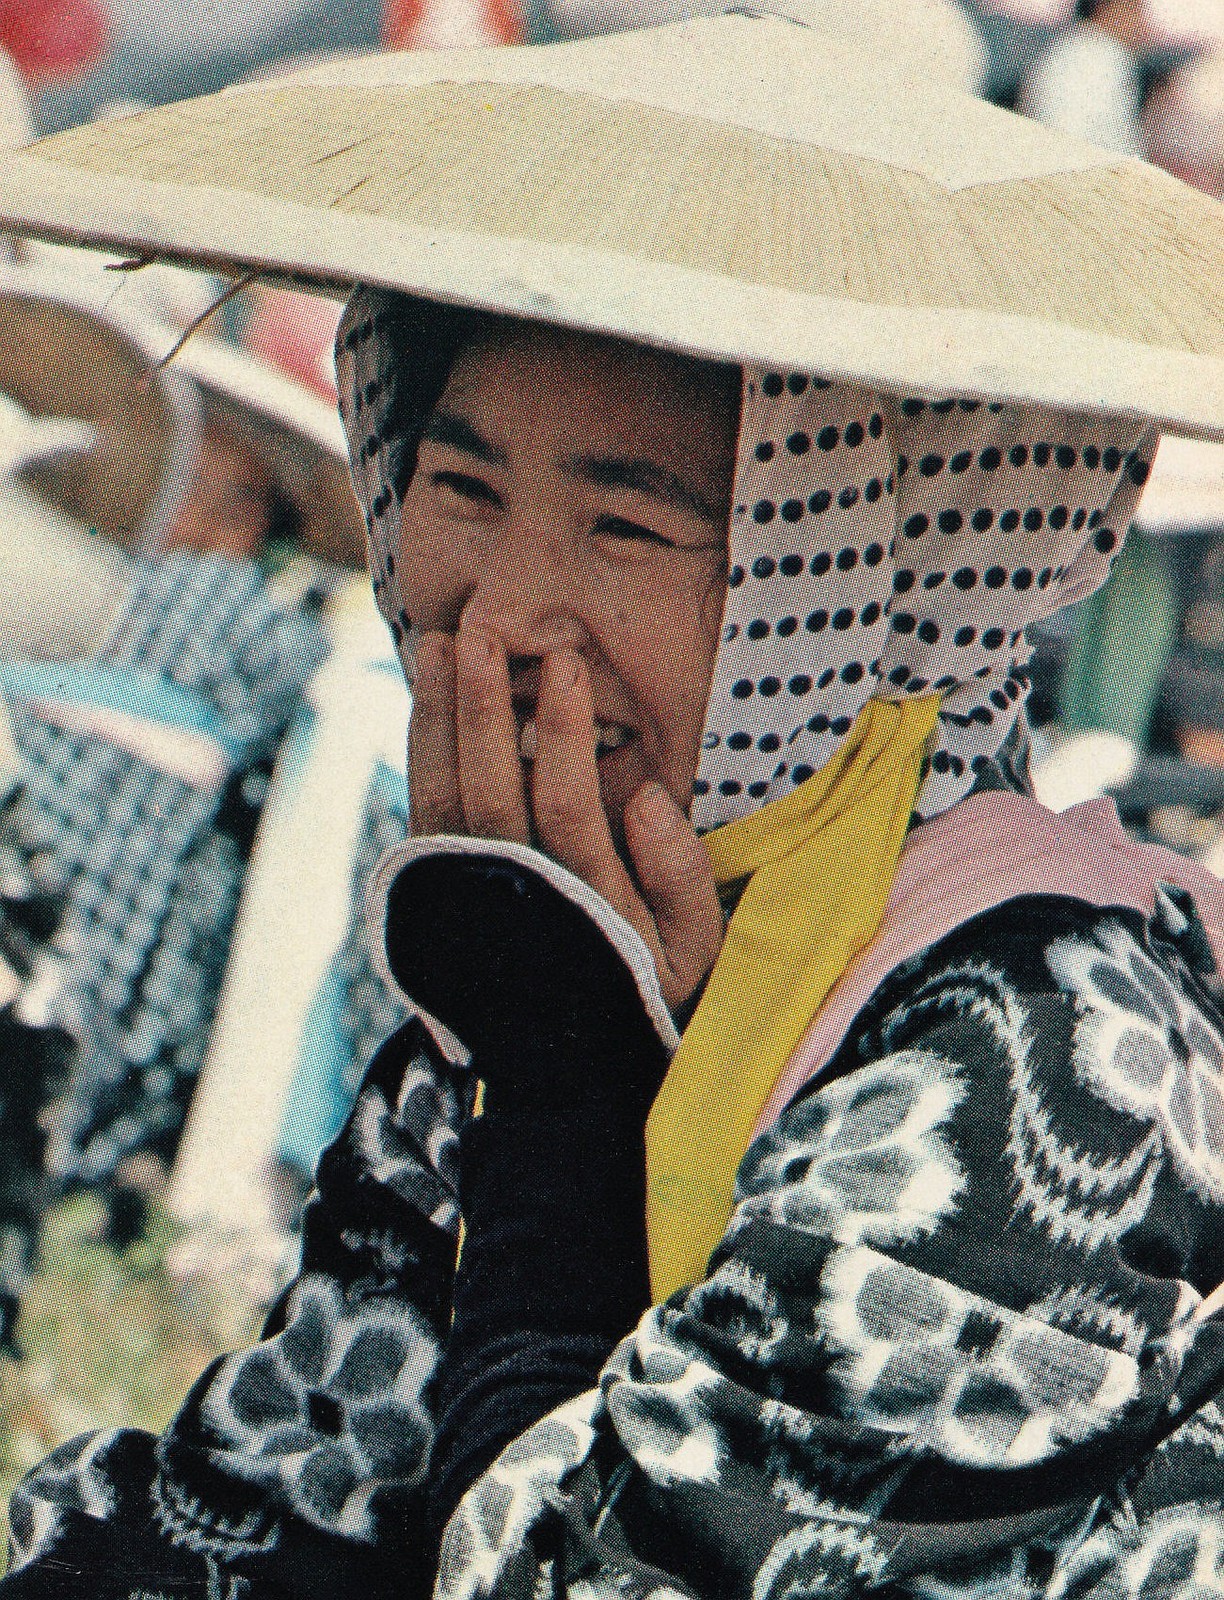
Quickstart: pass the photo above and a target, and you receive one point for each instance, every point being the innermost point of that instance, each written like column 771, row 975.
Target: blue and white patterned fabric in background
column 146, row 771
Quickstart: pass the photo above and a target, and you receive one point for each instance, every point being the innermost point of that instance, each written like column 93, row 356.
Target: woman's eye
column 622, row 528
column 474, row 490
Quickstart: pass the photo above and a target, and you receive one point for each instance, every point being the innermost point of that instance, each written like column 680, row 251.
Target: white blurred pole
column 292, row 919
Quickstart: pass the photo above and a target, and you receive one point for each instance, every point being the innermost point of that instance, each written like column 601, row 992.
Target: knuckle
column 557, row 814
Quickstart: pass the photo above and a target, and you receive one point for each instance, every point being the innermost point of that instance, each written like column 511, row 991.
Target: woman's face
column 229, row 509
column 572, row 492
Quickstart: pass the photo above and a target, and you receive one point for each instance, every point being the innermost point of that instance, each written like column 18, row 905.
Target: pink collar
column 989, row 849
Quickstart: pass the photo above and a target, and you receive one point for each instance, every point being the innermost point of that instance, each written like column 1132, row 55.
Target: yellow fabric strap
column 820, row 864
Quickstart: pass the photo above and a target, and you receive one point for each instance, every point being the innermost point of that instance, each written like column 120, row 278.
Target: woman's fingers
column 680, row 920
column 569, row 813
column 467, row 776
column 433, row 774
column 490, row 767
column 674, row 872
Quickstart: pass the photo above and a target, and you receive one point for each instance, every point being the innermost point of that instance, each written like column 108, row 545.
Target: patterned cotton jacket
column 946, row 1347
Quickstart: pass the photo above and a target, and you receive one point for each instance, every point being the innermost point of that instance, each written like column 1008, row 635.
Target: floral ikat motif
column 864, row 1161
column 330, row 1410
column 947, row 1371
column 1147, row 1049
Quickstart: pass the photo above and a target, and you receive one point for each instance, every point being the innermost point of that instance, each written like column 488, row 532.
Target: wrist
column 623, row 940
column 551, row 992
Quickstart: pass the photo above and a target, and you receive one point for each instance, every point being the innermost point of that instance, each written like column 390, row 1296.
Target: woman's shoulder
column 1057, row 946
column 1090, row 1028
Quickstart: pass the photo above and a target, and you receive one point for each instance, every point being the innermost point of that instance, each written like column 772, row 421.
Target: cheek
column 432, row 572
column 669, row 660
column 713, row 605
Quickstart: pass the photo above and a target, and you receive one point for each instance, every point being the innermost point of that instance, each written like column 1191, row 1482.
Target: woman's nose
column 529, row 592
column 529, row 629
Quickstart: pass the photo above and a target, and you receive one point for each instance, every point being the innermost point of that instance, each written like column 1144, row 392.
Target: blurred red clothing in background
column 442, row 24
column 295, row 332
column 52, row 40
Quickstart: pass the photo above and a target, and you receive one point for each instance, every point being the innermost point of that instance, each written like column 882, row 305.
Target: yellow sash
column 821, row 863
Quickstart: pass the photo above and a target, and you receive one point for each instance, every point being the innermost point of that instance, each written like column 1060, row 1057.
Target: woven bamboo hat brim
column 62, row 355
column 742, row 187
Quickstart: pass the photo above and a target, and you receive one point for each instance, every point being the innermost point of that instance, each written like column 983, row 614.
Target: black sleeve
column 552, row 1276
column 553, row 1271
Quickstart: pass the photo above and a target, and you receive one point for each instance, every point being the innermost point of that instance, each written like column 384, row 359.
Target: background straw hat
column 735, row 186
column 68, row 350
column 63, row 354
column 295, row 431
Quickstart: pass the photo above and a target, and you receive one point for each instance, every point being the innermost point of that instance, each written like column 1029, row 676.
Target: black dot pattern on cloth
column 877, row 547
column 905, row 579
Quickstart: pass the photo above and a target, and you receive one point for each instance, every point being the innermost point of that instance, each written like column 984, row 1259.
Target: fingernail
column 655, row 809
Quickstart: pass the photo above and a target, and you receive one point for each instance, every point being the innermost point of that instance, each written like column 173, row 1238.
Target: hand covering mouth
column 609, row 736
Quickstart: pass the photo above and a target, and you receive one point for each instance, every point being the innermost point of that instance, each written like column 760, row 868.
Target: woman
column 149, row 738
column 960, row 1271
column 845, row 1188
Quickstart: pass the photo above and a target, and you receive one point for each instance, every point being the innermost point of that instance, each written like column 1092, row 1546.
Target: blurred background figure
column 52, row 42
column 300, row 1015
column 59, row 583
column 447, row 24
column 295, row 334
column 1015, row 32
column 1133, row 697
column 147, row 755
column 35, row 1059
column 1183, row 122
column 1087, row 82
column 1096, row 77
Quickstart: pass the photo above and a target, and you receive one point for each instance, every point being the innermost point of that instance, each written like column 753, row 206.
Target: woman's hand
column 467, row 776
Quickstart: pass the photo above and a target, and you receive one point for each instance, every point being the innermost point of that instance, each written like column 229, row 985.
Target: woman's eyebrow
column 645, row 477
column 444, row 427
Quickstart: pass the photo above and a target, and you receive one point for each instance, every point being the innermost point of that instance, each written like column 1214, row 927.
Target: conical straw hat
column 739, row 186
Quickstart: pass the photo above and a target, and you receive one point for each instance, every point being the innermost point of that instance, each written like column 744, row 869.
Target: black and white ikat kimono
column 946, row 1348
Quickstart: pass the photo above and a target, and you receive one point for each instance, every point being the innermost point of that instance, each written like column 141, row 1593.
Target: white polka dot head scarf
column 878, row 546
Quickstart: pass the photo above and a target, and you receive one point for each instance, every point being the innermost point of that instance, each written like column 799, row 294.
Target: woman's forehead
column 493, row 362
column 522, row 384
